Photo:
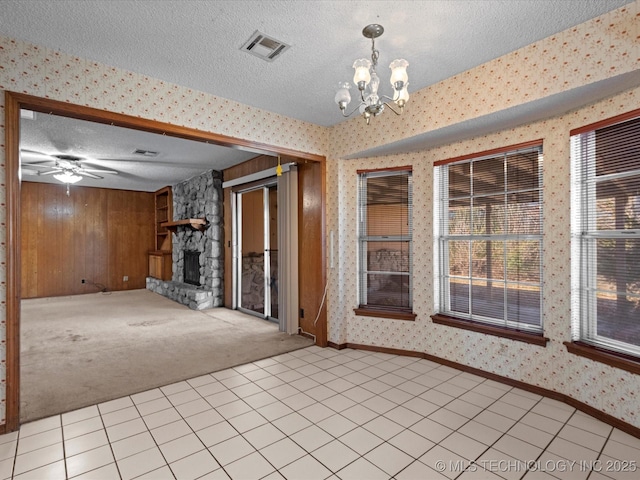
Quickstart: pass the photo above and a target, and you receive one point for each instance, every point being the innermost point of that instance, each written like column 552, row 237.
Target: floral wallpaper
column 599, row 49
column 551, row 367
column 596, row 50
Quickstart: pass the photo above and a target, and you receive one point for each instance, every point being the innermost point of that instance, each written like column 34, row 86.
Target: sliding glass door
column 256, row 220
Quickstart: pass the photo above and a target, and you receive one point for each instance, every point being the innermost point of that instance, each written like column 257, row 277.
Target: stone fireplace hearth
column 198, row 197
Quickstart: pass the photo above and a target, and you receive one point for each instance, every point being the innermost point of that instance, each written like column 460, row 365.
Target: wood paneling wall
column 311, row 249
column 96, row 234
column 253, row 222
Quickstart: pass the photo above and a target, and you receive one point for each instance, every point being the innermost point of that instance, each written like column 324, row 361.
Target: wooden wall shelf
column 160, row 259
column 195, row 223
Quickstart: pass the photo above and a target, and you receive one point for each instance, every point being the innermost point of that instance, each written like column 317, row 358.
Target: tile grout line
column 108, row 441
column 64, row 448
column 601, row 452
column 150, row 434
column 399, row 375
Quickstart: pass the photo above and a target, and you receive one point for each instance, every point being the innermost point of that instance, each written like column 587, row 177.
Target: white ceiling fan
column 67, row 169
column 64, row 168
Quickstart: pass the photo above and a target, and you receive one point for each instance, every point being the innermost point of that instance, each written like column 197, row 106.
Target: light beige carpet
column 85, row 349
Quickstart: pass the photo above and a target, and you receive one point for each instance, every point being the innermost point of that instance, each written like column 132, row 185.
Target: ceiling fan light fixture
column 67, row 177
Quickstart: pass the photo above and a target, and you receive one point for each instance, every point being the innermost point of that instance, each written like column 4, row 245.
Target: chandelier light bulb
column 402, row 97
column 399, row 73
column 343, row 97
column 404, row 94
column 362, row 73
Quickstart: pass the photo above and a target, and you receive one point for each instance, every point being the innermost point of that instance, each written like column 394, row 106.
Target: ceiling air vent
column 264, row 46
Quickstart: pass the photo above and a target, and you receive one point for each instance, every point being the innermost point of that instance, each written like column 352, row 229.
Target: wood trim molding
column 392, row 314
column 623, row 117
column 12, row 182
column 81, row 112
column 602, row 355
column 407, row 168
column 13, row 103
column 322, row 335
column 493, row 151
column 577, row 404
column 517, row 335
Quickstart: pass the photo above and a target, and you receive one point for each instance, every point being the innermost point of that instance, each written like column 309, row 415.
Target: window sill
column 602, row 355
column 365, row 311
column 518, row 335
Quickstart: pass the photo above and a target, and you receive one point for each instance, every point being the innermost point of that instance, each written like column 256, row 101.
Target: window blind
column 489, row 229
column 606, row 235
column 384, row 233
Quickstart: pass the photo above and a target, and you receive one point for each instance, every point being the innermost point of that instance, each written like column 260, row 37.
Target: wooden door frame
column 14, row 102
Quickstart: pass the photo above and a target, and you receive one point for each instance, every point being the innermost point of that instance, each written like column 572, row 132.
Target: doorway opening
column 14, row 103
column 265, row 236
column 256, row 221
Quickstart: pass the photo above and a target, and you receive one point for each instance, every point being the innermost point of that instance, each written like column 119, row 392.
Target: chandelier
column 367, row 80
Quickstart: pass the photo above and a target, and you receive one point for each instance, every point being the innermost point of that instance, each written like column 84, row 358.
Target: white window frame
column 364, row 238
column 584, row 230
column 442, row 239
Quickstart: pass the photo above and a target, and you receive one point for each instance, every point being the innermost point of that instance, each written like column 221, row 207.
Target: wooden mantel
column 195, row 223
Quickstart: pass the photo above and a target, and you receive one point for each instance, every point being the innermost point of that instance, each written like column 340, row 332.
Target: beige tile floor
column 321, row 413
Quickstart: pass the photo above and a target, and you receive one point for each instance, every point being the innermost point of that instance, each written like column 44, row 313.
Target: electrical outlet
column 125, row 278
column 83, row 281
column 302, row 313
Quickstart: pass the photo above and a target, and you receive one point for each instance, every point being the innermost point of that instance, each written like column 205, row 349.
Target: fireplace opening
column 192, row 267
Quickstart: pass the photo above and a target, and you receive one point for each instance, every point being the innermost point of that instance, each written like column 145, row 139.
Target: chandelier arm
column 353, row 111
column 386, row 104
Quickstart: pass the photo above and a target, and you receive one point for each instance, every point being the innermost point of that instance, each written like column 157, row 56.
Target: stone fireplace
column 197, row 198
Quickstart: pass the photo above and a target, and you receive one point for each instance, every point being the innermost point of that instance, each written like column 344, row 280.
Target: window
column 384, row 242
column 489, row 231
column 606, row 235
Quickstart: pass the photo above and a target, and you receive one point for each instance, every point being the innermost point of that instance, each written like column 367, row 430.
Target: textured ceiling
column 197, row 43
column 109, row 147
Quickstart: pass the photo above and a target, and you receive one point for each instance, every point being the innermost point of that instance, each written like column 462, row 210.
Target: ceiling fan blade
column 98, row 170
column 31, row 156
column 51, row 172
column 38, row 164
column 90, row 175
column 29, row 171
column 37, row 156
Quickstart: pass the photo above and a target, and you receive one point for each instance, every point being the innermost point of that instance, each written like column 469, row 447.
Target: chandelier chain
column 375, row 54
